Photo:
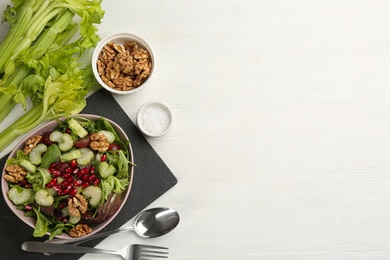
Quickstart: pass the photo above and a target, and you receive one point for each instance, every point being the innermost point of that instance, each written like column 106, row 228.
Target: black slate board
column 152, row 178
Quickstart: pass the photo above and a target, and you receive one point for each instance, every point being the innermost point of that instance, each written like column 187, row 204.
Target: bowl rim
column 165, row 107
column 30, row 221
column 116, row 37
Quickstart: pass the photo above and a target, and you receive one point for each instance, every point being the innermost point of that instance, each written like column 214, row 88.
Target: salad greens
column 40, row 64
column 51, row 184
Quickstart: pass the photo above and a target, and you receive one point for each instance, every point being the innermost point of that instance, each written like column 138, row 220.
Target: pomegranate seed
column 63, row 219
column 85, row 185
column 27, row 208
column 57, row 187
column 78, row 183
column 96, row 182
column 28, row 186
column 92, row 169
column 85, row 177
column 66, row 175
column 62, row 205
column 56, row 173
column 73, row 163
column 24, row 183
column 72, row 192
column 68, row 131
column 48, row 185
column 53, row 182
column 65, row 183
column 65, row 191
column 68, row 170
column 53, row 165
column 84, row 170
column 103, row 158
column 76, row 170
column 92, row 177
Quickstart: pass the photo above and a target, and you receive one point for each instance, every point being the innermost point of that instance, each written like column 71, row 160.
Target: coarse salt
column 154, row 119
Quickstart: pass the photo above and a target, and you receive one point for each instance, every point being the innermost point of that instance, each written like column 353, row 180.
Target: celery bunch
column 40, row 60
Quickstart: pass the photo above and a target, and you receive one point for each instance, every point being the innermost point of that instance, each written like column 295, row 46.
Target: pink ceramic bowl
column 96, row 227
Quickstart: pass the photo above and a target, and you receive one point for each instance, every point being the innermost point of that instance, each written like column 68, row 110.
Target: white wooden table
column 281, row 141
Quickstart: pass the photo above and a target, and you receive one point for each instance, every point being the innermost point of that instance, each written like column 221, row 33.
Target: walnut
column 31, row 143
column 124, row 67
column 131, row 45
column 77, row 205
column 99, row 142
column 15, row 173
column 141, row 54
column 109, row 50
column 80, row 230
column 101, row 67
column 118, row 47
column 107, row 81
column 123, row 83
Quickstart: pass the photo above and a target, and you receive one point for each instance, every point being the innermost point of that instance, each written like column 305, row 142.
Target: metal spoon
column 150, row 223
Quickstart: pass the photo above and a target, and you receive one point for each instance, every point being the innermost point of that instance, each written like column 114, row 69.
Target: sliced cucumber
column 94, row 194
column 109, row 136
column 31, row 168
column 35, row 156
column 19, row 196
column 43, row 198
column 86, row 156
column 77, row 128
column 66, row 157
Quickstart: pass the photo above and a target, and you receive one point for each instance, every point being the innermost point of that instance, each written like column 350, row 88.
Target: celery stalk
column 20, row 126
column 16, row 31
column 7, row 102
column 57, row 84
column 31, row 34
column 62, row 97
column 43, row 43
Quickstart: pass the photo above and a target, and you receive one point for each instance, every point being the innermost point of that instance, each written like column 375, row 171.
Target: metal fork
column 130, row 252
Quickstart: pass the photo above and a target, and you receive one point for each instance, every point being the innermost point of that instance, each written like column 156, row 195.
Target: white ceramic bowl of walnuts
column 123, row 63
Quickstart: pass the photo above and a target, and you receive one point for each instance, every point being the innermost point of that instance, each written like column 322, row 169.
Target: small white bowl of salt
column 154, row 119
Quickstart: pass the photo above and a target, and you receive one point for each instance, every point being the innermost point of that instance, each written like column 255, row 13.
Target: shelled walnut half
column 80, row 230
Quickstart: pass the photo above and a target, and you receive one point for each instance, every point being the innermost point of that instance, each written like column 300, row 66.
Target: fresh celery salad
column 70, row 177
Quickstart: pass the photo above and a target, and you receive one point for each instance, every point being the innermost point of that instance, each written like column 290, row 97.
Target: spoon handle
column 91, row 237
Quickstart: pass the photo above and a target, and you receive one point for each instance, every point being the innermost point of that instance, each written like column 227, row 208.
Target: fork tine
column 142, row 251
column 148, row 251
column 151, row 247
column 144, row 257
